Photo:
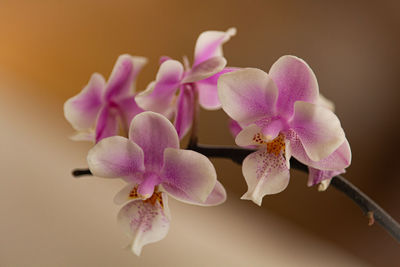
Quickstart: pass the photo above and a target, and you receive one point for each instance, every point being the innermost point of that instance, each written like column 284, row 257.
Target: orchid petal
column 145, row 222
column 107, row 123
column 126, row 194
column 205, row 69
column 153, row 133
column 209, row 44
column 208, row 90
column 184, row 113
column 216, row 197
column 159, row 95
column 316, row 176
column 116, row 157
column 234, row 127
column 163, row 59
column 246, row 137
column 318, row 129
column 82, row 110
column 338, row 160
column 123, row 75
column 295, row 81
column 83, row 136
column 128, row 110
column 326, row 103
column 186, row 63
column 247, row 95
column 187, row 175
column 265, row 174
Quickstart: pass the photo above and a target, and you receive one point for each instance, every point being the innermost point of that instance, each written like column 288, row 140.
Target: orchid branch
column 196, row 111
column 237, row 155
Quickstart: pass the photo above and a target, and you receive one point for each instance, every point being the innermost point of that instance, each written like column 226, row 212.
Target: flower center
column 275, row 146
column 155, row 197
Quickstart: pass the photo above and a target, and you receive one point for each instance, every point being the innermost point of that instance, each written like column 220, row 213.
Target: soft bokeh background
column 48, row 50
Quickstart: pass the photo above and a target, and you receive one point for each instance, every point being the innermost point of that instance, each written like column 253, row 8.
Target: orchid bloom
column 315, row 176
column 281, row 114
column 153, row 165
column 101, row 108
column 172, row 79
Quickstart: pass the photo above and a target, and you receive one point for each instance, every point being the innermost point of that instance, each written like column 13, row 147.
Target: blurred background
column 49, row 49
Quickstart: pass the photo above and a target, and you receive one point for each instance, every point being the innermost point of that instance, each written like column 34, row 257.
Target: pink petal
column 145, row 222
column 187, row 175
column 295, row 81
column 163, row 59
column 338, row 160
column 265, row 174
column 318, row 129
column 184, row 113
column 121, row 81
column 153, row 133
column 247, row 95
column 116, row 157
column 160, row 94
column 107, row 123
column 234, row 127
column 209, row 44
column 205, row 69
column 128, row 109
column 326, row 103
column 216, row 197
column 322, row 178
column 82, row 110
column 208, row 90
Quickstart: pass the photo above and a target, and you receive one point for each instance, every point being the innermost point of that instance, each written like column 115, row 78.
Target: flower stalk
column 196, row 112
column 371, row 209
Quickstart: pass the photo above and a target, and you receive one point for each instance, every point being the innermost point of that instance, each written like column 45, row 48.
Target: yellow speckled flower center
column 276, row 146
column 156, row 197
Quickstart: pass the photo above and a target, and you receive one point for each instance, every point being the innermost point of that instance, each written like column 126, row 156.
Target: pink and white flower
column 153, row 165
column 173, row 92
column 281, row 113
column 101, row 108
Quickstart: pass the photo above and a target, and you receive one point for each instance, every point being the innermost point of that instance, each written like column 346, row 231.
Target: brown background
column 353, row 47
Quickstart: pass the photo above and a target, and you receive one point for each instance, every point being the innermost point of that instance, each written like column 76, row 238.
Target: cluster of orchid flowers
column 137, row 136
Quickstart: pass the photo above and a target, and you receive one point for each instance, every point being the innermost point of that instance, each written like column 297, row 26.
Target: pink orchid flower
column 101, row 108
column 315, row 176
column 172, row 79
column 282, row 115
column 153, row 165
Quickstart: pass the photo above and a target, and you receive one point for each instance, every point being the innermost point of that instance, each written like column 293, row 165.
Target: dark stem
column 196, row 111
column 372, row 210
column 81, row 172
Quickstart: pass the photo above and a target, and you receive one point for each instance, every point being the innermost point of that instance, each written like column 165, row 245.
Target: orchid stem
column 372, row 210
column 196, row 111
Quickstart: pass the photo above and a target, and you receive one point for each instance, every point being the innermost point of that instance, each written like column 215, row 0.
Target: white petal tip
column 140, row 60
column 82, row 136
column 252, row 198
column 136, row 250
column 324, row 185
column 231, row 31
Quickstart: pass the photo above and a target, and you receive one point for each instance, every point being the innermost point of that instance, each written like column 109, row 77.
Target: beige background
column 48, row 49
